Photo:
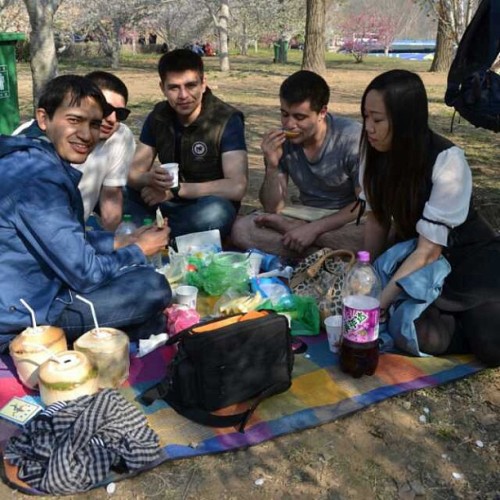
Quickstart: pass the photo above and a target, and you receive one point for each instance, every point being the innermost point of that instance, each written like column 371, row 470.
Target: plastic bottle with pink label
column 360, row 318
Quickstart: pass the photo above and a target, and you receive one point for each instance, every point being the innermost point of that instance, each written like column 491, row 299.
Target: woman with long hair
column 417, row 184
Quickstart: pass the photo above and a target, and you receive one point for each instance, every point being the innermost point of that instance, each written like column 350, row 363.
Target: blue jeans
column 186, row 215
column 132, row 302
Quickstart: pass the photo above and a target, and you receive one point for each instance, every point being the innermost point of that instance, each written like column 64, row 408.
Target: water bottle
column 360, row 318
column 155, row 259
column 125, row 228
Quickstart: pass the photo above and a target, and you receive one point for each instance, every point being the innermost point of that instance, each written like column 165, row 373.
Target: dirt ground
column 385, row 451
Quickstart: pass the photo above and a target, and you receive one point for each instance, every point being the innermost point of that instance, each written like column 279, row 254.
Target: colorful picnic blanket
column 320, row 393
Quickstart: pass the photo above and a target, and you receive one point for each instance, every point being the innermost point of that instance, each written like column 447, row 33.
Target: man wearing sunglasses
column 106, row 169
column 47, row 256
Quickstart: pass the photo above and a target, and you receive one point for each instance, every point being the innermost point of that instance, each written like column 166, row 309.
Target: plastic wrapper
column 225, row 270
column 175, row 270
column 233, row 302
column 270, row 288
column 180, row 317
column 302, row 311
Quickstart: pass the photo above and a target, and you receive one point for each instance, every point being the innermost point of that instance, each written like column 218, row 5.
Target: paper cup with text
column 186, row 295
column 173, row 170
column 333, row 325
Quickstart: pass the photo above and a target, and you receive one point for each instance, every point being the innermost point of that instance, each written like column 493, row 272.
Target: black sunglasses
column 121, row 113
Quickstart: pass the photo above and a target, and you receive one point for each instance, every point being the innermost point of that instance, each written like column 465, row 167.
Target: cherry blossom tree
column 360, row 32
column 375, row 23
column 393, row 17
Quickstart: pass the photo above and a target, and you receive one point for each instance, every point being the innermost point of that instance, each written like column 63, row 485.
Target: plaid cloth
column 72, row 446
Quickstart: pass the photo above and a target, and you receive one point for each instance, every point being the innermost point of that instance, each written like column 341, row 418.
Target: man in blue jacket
column 46, row 255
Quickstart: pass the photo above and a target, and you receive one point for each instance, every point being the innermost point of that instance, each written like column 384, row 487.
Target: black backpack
column 473, row 88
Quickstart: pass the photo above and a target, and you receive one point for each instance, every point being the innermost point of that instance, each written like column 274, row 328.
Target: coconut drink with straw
column 33, row 346
column 107, row 349
column 66, row 376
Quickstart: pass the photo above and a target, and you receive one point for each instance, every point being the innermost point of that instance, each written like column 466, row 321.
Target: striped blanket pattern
column 320, row 393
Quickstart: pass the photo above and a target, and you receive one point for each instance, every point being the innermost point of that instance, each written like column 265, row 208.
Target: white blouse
column 450, row 195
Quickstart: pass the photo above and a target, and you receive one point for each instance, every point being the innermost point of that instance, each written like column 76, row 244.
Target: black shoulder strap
column 203, row 417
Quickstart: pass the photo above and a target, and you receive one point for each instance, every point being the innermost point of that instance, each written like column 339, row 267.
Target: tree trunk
column 43, row 60
column 115, row 46
column 244, row 43
column 223, row 38
column 314, row 46
column 443, row 56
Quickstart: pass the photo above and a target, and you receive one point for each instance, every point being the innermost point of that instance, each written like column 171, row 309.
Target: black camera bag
column 227, row 361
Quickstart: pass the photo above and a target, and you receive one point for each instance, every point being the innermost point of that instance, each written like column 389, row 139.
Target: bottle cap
column 364, row 256
column 127, row 218
column 147, row 221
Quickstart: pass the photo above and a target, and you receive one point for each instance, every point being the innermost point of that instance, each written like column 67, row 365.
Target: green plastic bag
column 303, row 312
column 225, row 270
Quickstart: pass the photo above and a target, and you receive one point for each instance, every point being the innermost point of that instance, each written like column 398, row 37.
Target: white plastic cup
column 173, row 170
column 254, row 263
column 186, row 295
column 333, row 325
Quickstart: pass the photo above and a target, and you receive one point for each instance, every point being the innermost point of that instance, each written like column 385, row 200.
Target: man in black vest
column 206, row 137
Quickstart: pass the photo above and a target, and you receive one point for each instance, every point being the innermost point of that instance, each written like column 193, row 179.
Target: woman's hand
column 425, row 253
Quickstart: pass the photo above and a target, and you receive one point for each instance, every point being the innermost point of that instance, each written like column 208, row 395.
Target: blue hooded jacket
column 44, row 249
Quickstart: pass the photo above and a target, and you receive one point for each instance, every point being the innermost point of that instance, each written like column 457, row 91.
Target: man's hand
column 299, row 238
column 272, row 147
column 152, row 196
column 151, row 239
column 160, row 179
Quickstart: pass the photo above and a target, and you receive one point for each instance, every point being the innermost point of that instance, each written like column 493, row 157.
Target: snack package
column 180, row 317
column 233, row 302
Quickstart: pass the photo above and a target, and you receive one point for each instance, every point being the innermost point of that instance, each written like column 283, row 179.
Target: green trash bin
column 276, row 52
column 9, row 104
column 284, row 51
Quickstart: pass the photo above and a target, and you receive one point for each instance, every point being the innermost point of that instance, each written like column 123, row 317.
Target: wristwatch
column 175, row 191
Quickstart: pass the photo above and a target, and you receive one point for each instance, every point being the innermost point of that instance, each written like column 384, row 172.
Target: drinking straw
column 52, row 356
column 33, row 317
column 98, row 333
